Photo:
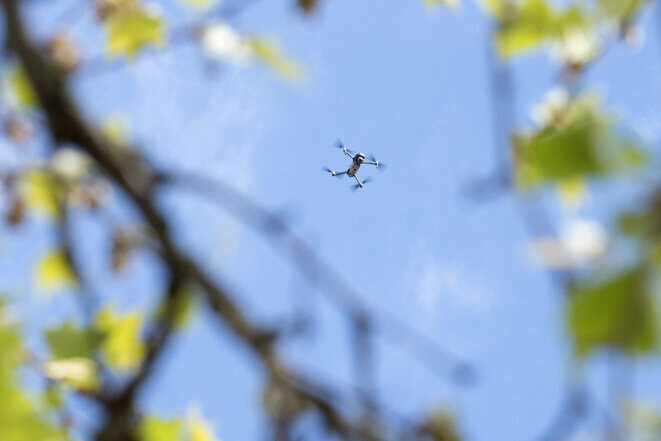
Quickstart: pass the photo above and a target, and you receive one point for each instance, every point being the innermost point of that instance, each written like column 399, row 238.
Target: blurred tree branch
column 130, row 172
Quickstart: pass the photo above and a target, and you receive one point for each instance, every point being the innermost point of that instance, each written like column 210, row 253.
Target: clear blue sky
column 413, row 88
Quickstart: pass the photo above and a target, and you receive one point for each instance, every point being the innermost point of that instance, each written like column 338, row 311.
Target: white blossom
column 220, row 40
column 551, row 108
column 576, row 47
column 579, row 243
column 70, row 164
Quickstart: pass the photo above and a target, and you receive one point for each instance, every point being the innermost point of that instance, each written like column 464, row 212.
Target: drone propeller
column 357, row 186
column 340, row 145
column 328, row 170
column 379, row 165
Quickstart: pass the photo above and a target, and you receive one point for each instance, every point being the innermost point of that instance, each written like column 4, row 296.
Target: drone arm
column 346, row 152
column 371, row 163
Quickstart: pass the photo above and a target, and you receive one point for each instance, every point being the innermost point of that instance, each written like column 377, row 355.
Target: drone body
column 356, row 161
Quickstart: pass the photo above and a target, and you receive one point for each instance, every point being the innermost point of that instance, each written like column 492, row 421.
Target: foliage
column 105, row 354
column 121, row 346
column 53, row 272
column 20, row 417
column 575, row 142
column 618, row 313
column 131, row 31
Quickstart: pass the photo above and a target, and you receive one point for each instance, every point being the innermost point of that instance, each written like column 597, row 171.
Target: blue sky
column 410, row 85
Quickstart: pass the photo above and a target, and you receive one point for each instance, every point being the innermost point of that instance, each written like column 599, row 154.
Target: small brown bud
column 105, row 9
column 63, row 52
column 17, row 130
column 16, row 212
column 121, row 250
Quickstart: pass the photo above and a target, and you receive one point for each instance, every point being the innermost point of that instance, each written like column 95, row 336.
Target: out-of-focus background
column 175, row 263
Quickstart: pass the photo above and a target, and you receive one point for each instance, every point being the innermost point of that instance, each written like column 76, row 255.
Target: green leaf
column 21, row 88
column 441, row 426
column 40, row 192
column 633, row 224
column 619, row 9
column 644, row 420
column 122, row 346
column 19, row 418
column 569, row 153
column 578, row 142
column 617, row 313
column 115, row 129
column 156, row 429
column 52, row 396
column 53, row 272
column 193, row 428
column 561, row 155
column 198, row 4
column 69, row 341
column 184, row 304
column 270, row 54
column 526, row 24
column 199, row 429
column 131, row 31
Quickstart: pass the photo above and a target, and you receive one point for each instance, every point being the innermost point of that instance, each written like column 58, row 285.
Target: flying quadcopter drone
column 358, row 159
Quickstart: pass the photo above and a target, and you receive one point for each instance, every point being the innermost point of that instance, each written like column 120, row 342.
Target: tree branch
column 128, row 170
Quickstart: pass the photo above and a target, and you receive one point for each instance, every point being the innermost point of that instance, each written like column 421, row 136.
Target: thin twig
column 387, row 326
column 130, row 172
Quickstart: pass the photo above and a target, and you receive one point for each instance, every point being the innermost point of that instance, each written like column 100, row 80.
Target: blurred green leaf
column 21, row 88
column 156, row 429
column 39, row 191
column 579, row 142
column 270, row 54
column 558, row 155
column 624, row 152
column 441, row 426
column 198, row 4
column 131, row 31
column 19, row 419
column 632, row 224
column 528, row 23
column 644, row 421
column 115, row 129
column 184, row 303
column 122, row 346
column 70, row 341
column 617, row 313
column 193, row 428
column 52, row 396
column 619, row 9
column 199, row 429
column 572, row 192
column 53, row 272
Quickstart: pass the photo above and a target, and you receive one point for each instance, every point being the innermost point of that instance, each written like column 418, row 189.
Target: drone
column 357, row 159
